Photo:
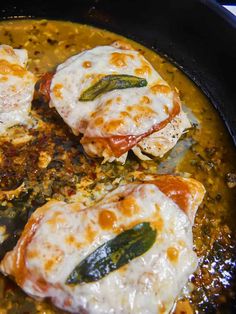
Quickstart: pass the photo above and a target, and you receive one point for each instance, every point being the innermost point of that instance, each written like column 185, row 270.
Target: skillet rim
column 10, row 13
column 92, row 13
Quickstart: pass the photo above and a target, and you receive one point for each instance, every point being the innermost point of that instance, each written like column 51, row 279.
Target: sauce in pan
column 47, row 162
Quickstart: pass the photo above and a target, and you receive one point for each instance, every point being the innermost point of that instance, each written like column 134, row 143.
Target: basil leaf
column 112, row 82
column 114, row 254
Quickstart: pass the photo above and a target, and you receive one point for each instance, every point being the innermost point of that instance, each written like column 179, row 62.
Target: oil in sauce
column 206, row 152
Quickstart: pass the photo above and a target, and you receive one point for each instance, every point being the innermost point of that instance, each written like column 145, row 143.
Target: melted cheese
column 58, row 236
column 16, row 87
column 135, row 112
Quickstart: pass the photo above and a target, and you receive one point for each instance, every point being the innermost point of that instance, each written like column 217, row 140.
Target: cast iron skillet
column 199, row 36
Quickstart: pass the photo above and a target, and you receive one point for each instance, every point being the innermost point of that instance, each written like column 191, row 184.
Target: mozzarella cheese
column 58, row 236
column 116, row 121
column 16, row 87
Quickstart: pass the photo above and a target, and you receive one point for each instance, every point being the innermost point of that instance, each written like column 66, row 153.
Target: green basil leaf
column 114, row 254
column 112, row 82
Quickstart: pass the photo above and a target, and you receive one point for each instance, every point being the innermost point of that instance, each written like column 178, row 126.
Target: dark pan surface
column 199, row 36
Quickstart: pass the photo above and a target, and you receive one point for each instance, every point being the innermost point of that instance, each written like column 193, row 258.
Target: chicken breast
column 159, row 143
column 16, row 87
column 115, row 98
column 59, row 236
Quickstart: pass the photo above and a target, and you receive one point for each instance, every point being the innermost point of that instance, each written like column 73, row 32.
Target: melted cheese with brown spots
column 116, row 121
column 16, row 87
column 44, row 256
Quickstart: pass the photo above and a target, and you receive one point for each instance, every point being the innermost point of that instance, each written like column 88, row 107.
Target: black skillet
column 199, row 36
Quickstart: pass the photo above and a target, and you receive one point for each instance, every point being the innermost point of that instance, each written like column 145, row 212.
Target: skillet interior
column 211, row 71
column 197, row 35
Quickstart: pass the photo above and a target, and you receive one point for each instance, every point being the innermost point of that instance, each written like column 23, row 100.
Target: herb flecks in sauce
column 71, row 175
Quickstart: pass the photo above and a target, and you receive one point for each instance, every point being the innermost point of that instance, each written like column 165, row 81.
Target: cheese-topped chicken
column 16, row 87
column 118, row 101
column 58, row 237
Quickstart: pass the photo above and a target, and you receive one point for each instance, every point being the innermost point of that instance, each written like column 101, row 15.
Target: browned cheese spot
column 158, row 88
column 128, row 206
column 98, row 121
column 57, row 90
column 120, row 59
column 87, row 64
column 7, row 68
column 107, row 219
column 172, row 254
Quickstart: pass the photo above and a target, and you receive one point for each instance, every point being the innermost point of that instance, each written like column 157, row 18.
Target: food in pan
column 130, row 253
column 118, row 101
column 44, row 161
column 16, row 87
